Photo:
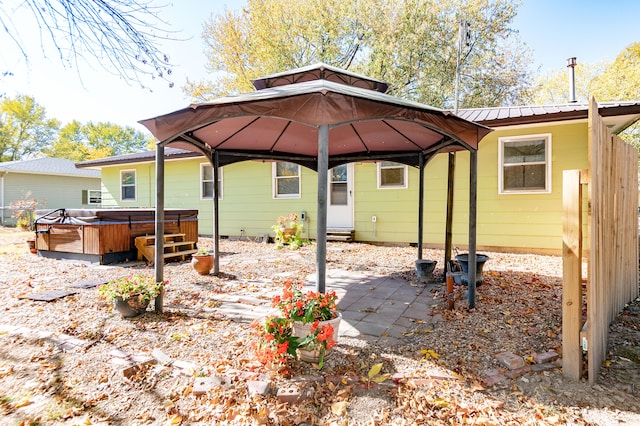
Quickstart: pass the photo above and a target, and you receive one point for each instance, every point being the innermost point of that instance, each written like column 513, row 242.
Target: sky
column 555, row 29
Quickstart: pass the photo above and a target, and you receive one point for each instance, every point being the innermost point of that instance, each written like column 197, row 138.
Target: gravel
column 518, row 310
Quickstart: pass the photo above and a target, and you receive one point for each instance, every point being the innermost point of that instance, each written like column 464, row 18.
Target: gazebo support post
column 473, row 197
column 216, row 215
column 321, row 237
column 159, row 228
column 448, row 236
column 421, row 206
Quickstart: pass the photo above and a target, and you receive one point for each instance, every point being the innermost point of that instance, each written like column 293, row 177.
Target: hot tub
column 105, row 235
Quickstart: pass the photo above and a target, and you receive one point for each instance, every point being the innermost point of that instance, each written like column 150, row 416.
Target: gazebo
column 320, row 117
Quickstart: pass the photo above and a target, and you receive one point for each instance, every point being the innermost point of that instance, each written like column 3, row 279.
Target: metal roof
column 48, row 166
column 617, row 115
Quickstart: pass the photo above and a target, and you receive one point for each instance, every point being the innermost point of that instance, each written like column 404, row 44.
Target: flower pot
column 425, row 269
column 463, row 259
column 202, row 264
column 302, row 330
column 131, row 307
column 288, row 234
column 31, row 242
column 312, row 355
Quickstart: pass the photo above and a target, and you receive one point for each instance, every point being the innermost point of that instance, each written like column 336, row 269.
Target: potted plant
column 202, row 261
column 131, row 294
column 307, row 327
column 288, row 232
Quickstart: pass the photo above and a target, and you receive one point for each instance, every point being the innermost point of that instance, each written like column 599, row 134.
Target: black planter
column 132, row 307
column 463, row 259
column 425, row 269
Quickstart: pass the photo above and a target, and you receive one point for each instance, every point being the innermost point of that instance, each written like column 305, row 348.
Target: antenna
column 464, row 38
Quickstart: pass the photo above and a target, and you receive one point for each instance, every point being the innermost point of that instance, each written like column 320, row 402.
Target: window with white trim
column 128, row 185
column 392, row 175
column 94, row 196
column 525, row 164
column 286, row 180
column 206, row 182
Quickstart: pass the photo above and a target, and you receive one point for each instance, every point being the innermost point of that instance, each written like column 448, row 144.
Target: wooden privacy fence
column 612, row 227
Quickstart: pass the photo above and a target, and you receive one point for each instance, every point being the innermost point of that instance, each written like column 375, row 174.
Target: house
column 519, row 185
column 53, row 182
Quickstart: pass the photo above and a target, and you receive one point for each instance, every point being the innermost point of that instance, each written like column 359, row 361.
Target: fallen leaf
column 375, row 370
column 339, row 408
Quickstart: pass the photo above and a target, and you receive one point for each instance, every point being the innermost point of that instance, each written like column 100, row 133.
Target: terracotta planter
column 31, row 242
column 202, row 264
column 303, row 330
column 288, row 234
column 132, row 307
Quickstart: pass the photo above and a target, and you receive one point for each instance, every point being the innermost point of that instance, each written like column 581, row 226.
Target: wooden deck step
column 347, row 235
column 174, row 246
column 183, row 253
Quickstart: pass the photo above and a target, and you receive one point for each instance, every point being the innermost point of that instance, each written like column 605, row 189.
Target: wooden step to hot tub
column 174, row 246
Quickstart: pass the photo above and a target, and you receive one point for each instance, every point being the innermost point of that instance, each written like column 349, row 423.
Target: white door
column 340, row 197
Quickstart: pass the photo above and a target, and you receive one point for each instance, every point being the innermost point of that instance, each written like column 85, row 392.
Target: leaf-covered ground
column 438, row 366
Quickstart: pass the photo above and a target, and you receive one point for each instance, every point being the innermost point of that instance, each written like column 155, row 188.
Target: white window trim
column 274, row 186
column 547, row 162
column 89, row 191
column 379, row 177
column 220, row 185
column 135, row 186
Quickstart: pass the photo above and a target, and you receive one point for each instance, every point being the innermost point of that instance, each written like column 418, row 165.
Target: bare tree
column 122, row 36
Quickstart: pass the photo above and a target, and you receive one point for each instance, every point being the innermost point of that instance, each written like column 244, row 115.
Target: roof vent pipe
column 571, row 64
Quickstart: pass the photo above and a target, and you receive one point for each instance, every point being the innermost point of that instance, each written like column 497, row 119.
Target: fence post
column 571, row 274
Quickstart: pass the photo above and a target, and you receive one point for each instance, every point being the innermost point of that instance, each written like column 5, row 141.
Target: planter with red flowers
column 307, row 328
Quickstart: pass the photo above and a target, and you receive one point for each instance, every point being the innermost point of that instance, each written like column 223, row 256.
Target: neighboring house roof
column 617, row 115
column 48, row 166
column 138, row 157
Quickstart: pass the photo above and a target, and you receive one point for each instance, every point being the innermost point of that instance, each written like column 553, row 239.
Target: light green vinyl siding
column 526, row 221
column 522, row 221
column 247, row 205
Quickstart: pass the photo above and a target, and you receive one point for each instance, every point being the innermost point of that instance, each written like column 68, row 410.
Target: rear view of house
column 520, row 166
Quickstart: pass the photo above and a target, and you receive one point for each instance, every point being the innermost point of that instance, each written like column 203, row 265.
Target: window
column 525, row 164
column 392, row 175
column 206, row 182
column 286, row 180
column 91, row 196
column 338, row 195
column 128, row 185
